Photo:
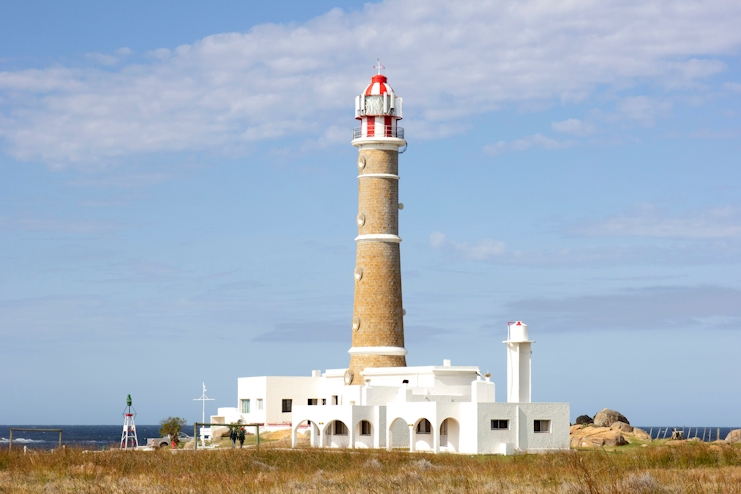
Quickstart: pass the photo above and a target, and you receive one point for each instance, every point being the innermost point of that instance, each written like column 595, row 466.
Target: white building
column 379, row 402
column 431, row 408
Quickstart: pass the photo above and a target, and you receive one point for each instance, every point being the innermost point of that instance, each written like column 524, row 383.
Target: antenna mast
column 203, row 399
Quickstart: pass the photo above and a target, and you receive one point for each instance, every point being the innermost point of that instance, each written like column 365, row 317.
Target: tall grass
column 686, row 468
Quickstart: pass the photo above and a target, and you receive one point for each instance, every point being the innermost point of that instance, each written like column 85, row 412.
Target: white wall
column 558, row 414
column 488, row 441
column 297, row 388
column 252, row 388
column 272, row 390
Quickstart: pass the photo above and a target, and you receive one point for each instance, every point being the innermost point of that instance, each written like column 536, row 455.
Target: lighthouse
column 519, row 351
column 377, row 322
column 378, row 401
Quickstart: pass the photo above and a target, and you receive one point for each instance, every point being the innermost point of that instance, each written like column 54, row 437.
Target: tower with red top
column 377, row 324
column 378, row 110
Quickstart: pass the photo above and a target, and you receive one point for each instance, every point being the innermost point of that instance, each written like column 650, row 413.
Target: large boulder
column 596, row 437
column 734, row 436
column 607, row 417
column 622, row 427
column 641, row 435
column 584, row 419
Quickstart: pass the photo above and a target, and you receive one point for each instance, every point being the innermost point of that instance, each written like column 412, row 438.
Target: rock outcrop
column 734, row 436
column 584, row 419
column 622, row 427
column 641, row 435
column 595, row 437
column 607, row 417
column 620, row 433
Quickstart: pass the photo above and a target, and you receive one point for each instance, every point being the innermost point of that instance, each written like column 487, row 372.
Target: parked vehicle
column 165, row 441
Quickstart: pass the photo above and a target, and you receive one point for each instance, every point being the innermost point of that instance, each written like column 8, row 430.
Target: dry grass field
column 682, row 468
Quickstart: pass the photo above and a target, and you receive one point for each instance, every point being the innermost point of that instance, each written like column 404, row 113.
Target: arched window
column 340, row 429
column 365, row 428
column 444, row 428
column 424, row 427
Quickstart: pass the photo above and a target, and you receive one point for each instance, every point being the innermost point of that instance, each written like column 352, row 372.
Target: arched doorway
column 398, row 434
column 337, row 434
column 423, row 435
column 450, row 431
column 305, row 433
column 363, row 434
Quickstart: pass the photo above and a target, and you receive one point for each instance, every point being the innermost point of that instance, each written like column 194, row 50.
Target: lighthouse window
column 374, row 105
column 245, row 406
column 287, row 406
column 542, row 426
column 497, row 425
column 424, row 427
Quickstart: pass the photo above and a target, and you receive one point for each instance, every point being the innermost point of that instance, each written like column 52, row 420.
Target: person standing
column 241, row 437
column 233, row 436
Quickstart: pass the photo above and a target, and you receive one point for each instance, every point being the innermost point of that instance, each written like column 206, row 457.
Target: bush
column 172, row 426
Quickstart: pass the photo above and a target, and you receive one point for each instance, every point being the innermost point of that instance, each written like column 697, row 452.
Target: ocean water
column 709, row 433
column 94, row 437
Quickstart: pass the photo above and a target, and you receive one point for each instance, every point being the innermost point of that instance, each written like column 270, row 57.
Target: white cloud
column 124, row 52
column 450, row 61
column 693, row 238
column 536, row 141
column 485, row 249
column 102, row 58
column 106, row 59
column 646, row 220
column 733, row 87
column 644, row 309
column 334, row 134
column 574, row 127
column 643, row 109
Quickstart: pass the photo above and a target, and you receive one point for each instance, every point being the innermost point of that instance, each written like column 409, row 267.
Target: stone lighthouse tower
column 377, row 324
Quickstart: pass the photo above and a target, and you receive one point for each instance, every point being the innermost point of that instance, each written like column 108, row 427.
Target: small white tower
column 518, row 363
column 128, row 436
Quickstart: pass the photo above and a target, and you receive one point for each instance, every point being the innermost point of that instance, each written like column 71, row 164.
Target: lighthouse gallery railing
column 388, row 131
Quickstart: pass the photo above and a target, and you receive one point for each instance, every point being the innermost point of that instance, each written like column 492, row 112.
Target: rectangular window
column 324, row 401
column 245, row 406
column 313, row 401
column 335, row 400
column 542, row 426
column 259, row 404
column 287, row 406
column 497, row 425
column 340, row 429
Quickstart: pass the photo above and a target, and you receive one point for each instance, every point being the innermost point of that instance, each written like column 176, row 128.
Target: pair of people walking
column 235, row 435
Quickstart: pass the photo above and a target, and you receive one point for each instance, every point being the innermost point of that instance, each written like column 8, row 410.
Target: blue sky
column 178, row 198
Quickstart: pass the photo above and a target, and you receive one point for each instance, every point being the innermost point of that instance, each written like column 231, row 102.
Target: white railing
column 388, row 131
